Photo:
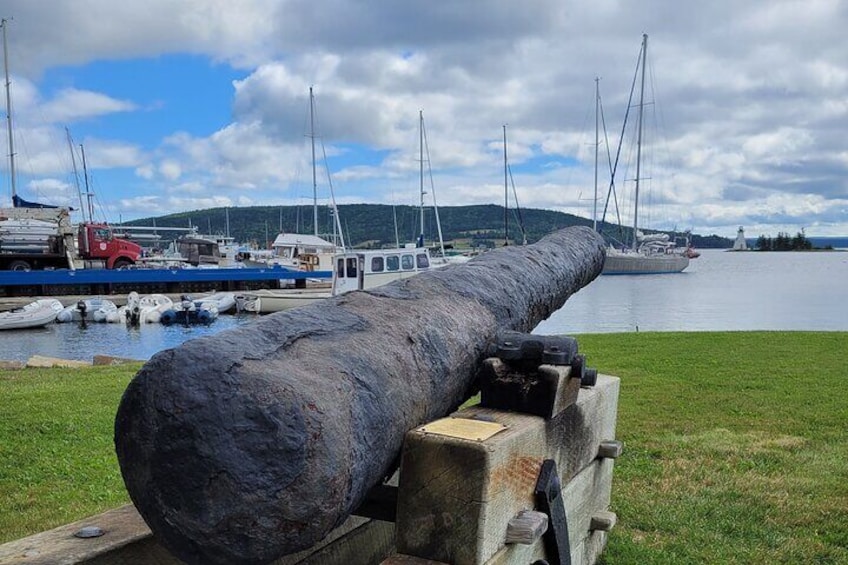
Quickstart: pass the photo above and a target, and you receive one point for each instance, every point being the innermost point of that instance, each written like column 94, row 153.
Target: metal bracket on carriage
column 548, row 495
column 533, row 374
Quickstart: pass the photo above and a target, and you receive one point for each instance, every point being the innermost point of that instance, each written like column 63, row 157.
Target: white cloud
column 170, row 169
column 752, row 95
column 71, row 105
column 145, row 171
column 54, row 191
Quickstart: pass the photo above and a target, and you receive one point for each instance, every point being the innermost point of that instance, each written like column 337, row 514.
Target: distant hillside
column 834, row 242
column 373, row 225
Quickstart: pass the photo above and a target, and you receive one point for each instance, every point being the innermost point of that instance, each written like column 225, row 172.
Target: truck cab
column 97, row 243
column 44, row 238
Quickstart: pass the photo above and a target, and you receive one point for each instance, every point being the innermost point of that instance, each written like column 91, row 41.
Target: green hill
column 373, row 225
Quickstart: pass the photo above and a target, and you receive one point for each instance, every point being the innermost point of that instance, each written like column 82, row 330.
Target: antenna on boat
column 3, row 23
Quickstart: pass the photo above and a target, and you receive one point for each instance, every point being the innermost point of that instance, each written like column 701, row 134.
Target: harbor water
column 720, row 291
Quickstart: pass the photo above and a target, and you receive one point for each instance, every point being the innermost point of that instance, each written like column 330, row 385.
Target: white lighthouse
column 740, row 244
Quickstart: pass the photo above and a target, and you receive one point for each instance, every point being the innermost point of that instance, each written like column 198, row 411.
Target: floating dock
column 145, row 281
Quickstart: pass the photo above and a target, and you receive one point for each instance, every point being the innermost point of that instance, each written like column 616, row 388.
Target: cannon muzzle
column 255, row 442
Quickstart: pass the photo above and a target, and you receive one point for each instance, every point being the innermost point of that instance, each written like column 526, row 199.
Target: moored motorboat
column 140, row 310
column 151, row 307
column 355, row 270
column 97, row 309
column 189, row 312
column 34, row 315
column 126, row 314
column 222, row 301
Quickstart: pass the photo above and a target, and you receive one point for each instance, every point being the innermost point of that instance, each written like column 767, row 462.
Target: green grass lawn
column 57, row 457
column 736, row 446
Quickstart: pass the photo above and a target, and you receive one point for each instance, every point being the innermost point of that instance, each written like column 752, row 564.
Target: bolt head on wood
column 603, row 521
column 527, row 527
column 610, row 449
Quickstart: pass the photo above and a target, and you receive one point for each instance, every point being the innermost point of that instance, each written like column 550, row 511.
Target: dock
column 65, row 282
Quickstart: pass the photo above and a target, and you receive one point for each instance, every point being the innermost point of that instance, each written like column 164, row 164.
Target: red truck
column 44, row 238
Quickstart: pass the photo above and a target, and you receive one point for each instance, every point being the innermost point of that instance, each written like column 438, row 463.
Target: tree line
column 379, row 225
column 784, row 242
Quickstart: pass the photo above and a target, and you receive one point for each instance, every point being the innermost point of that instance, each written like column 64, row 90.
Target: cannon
column 255, row 442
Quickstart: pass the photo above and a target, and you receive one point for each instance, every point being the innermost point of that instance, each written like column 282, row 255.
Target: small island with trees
column 785, row 242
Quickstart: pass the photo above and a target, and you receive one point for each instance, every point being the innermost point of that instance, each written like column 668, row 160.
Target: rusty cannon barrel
column 255, row 442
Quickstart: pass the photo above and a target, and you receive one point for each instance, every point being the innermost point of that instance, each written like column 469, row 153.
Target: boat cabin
column 199, row 250
column 308, row 252
column 361, row 270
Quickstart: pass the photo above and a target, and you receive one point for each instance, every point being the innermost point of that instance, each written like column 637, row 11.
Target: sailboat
column 646, row 253
column 442, row 258
column 507, row 181
column 309, row 252
column 359, row 269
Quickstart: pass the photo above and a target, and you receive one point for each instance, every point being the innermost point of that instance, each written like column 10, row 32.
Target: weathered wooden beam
column 255, row 442
column 459, row 493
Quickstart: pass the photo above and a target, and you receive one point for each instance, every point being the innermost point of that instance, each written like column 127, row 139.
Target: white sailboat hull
column 633, row 263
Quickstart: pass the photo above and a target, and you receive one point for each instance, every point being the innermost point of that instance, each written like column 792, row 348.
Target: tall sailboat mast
column 3, row 23
column 506, row 191
column 424, row 155
column 76, row 172
column 314, row 174
column 421, row 176
column 639, row 140
column 597, row 145
column 88, row 193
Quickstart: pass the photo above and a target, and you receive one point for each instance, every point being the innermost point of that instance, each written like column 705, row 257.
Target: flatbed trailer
column 118, row 281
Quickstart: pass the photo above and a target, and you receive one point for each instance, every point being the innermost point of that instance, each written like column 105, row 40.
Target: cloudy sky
column 187, row 104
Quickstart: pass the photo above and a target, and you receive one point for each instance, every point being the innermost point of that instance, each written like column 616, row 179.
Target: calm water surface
column 70, row 341
column 719, row 291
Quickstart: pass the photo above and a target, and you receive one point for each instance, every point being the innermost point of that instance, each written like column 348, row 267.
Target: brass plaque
column 463, row 428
